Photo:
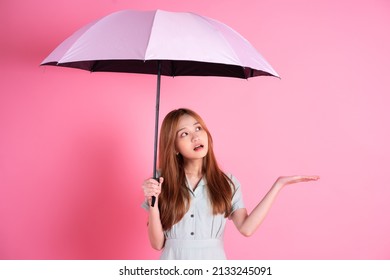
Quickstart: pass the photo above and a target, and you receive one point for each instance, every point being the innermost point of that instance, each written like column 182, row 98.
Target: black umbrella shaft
column 156, row 127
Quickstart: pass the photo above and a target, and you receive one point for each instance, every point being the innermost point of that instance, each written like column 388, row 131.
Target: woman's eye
column 198, row 128
column 184, row 134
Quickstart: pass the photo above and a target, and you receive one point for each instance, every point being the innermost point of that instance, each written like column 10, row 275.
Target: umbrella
column 161, row 43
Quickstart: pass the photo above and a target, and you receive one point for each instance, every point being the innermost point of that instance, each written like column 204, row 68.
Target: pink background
column 75, row 147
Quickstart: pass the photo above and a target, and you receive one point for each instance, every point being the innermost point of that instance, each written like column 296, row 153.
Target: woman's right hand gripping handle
column 151, row 188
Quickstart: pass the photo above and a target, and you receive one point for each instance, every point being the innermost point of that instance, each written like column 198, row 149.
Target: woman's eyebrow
column 180, row 129
column 186, row 127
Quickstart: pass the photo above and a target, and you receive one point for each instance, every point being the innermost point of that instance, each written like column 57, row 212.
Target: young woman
column 194, row 196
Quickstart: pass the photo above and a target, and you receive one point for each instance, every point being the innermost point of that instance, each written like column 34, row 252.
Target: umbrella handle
column 156, row 127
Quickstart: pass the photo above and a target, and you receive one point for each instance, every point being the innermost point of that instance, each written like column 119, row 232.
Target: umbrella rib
column 150, row 35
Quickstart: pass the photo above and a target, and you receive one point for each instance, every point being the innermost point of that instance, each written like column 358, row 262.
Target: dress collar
column 199, row 186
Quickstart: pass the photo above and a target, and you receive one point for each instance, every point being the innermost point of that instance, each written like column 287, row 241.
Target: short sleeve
column 237, row 200
column 145, row 205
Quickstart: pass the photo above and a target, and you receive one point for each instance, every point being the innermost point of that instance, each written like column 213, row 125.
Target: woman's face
column 191, row 139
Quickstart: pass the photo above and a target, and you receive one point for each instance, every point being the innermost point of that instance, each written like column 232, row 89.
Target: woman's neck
column 194, row 168
column 193, row 171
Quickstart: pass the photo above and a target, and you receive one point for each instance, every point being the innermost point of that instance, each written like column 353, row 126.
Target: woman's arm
column 248, row 224
column 155, row 231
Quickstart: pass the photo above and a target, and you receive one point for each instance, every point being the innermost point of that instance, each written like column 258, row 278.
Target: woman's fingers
column 285, row 180
column 152, row 187
column 305, row 178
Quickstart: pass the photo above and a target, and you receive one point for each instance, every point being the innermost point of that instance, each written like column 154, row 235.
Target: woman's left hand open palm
column 287, row 180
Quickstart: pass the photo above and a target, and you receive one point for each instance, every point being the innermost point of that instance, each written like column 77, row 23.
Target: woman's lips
column 198, row 147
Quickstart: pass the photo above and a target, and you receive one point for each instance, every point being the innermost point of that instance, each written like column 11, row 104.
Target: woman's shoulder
column 233, row 178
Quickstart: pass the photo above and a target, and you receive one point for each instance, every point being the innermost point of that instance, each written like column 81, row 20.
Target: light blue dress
column 199, row 234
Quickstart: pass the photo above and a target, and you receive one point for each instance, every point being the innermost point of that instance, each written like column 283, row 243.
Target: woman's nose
column 195, row 136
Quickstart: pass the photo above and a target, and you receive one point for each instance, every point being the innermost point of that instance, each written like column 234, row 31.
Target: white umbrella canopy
column 186, row 44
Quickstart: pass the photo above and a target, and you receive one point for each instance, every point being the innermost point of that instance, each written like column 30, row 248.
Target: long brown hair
column 174, row 199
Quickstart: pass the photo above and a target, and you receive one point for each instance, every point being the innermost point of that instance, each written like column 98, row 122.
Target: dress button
column 192, row 233
column 192, row 215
